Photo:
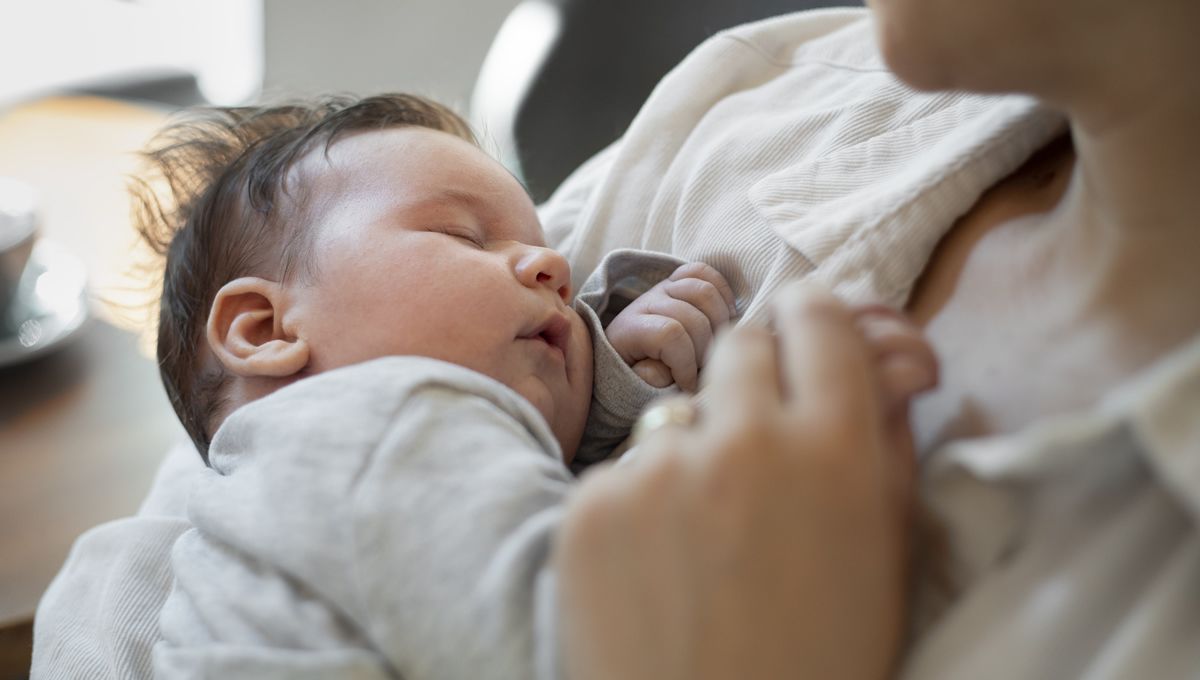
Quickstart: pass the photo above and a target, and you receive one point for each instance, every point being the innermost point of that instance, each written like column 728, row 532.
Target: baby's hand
column 664, row 334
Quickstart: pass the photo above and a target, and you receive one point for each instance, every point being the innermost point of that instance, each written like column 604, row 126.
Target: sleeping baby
column 383, row 365
column 389, row 378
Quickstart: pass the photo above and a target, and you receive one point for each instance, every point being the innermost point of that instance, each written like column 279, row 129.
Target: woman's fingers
column 907, row 366
column 904, row 359
column 671, row 416
column 827, row 368
column 741, row 380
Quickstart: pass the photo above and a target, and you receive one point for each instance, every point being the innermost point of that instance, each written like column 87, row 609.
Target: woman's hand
column 769, row 540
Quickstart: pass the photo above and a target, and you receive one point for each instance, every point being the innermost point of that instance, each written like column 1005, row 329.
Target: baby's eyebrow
column 460, row 197
column 475, row 202
column 441, row 198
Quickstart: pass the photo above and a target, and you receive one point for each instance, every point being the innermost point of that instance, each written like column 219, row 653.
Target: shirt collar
column 1156, row 414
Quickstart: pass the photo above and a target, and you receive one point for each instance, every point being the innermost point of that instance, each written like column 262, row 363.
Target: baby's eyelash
column 464, row 234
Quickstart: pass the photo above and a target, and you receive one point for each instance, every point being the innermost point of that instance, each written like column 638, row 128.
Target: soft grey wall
column 430, row 47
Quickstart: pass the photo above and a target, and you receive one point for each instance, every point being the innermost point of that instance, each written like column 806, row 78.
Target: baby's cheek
column 582, row 355
column 580, row 377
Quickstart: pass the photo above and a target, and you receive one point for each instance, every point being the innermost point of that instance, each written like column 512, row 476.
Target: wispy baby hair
column 216, row 205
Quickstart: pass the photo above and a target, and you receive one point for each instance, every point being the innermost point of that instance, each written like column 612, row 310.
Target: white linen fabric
column 99, row 617
column 784, row 149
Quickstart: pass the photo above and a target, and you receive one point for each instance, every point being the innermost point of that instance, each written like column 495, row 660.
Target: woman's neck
column 1082, row 263
column 1138, row 173
column 1134, row 103
column 1131, row 211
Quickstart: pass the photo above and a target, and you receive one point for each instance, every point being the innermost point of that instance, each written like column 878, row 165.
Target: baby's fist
column 665, row 333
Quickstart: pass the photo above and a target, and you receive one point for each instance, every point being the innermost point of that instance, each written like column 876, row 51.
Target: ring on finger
column 671, row 412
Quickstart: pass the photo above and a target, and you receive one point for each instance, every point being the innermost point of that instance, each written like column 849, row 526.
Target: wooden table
column 81, row 430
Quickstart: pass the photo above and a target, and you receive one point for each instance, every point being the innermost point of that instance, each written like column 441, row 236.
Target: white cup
column 18, row 231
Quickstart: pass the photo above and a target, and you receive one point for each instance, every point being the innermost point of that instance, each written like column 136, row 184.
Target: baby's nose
column 539, row 266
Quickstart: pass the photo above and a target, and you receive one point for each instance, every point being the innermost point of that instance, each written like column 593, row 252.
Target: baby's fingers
column 654, row 372
column 742, row 381
column 828, row 372
column 652, row 336
column 698, row 326
column 705, row 289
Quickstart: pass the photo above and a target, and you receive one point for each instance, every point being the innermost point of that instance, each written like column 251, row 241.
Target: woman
column 1062, row 447
column 1057, row 458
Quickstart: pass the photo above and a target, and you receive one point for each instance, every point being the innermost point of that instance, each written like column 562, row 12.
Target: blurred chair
column 564, row 78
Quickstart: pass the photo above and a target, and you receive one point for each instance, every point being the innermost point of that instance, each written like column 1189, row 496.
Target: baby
column 311, row 238
column 383, row 365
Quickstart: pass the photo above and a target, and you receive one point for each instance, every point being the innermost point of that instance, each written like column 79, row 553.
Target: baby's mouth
column 555, row 332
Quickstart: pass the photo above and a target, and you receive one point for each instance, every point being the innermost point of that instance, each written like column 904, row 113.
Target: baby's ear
column 246, row 334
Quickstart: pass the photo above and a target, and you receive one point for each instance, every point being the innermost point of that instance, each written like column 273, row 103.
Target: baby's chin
column 568, row 435
column 566, row 414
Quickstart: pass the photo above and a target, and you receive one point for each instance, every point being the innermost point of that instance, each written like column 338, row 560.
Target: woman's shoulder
column 841, row 36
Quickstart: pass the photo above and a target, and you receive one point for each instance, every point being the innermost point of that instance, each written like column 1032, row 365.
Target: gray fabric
column 618, row 394
column 389, row 519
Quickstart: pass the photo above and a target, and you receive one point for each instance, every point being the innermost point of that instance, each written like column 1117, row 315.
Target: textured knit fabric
column 389, row 519
column 99, row 617
column 618, row 394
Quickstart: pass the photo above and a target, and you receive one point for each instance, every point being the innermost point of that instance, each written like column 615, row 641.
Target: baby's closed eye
column 462, row 233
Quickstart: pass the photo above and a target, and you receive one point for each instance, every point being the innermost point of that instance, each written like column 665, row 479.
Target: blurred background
column 84, row 84
column 233, row 49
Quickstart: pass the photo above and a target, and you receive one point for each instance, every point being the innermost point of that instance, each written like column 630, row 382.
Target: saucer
column 49, row 308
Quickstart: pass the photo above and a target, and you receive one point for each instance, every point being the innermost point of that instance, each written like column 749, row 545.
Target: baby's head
column 303, row 238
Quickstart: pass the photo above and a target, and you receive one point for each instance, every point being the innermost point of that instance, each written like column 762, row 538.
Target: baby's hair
column 209, row 204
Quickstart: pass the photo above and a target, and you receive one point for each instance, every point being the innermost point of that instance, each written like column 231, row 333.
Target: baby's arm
column 620, row 393
column 664, row 334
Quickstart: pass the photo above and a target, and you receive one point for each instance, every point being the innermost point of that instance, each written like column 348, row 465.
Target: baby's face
column 424, row 245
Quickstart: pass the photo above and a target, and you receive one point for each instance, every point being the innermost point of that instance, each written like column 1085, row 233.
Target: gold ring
column 670, row 412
